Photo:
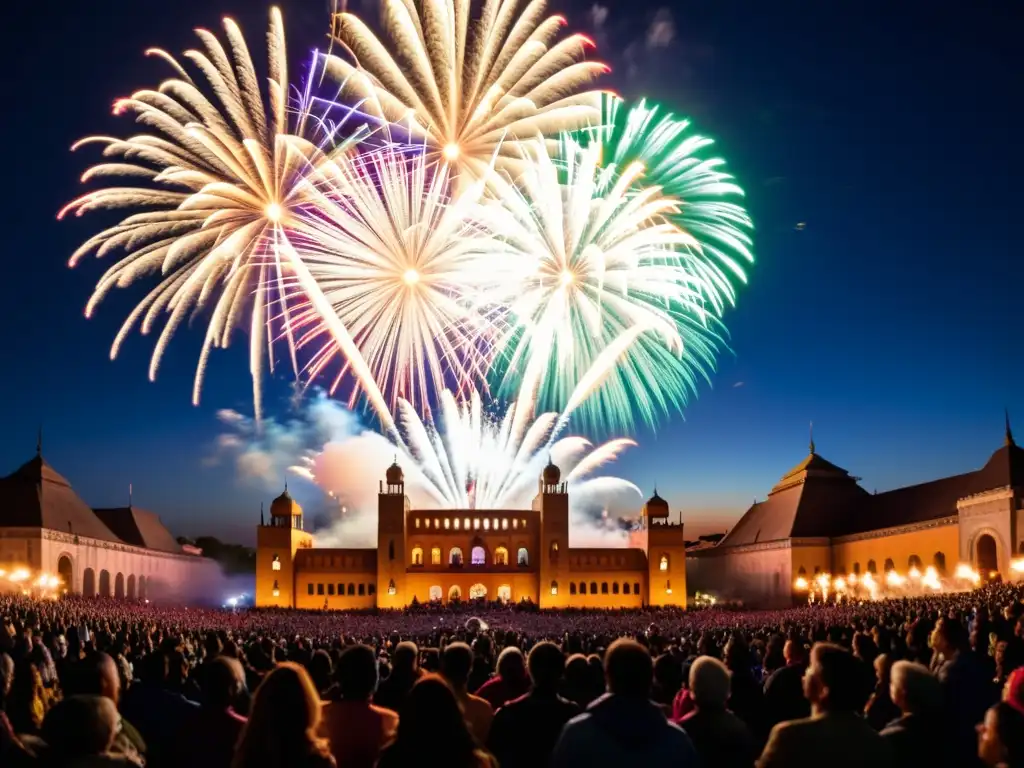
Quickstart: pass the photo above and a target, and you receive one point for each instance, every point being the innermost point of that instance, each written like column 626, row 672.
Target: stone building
column 45, row 527
column 818, row 519
column 461, row 554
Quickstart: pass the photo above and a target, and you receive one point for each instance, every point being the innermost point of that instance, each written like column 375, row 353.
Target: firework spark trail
column 601, row 279
column 471, row 86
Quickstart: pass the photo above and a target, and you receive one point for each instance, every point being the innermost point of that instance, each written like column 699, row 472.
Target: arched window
column 554, row 587
column 275, row 564
column 417, row 556
column 500, row 556
column 351, row 590
column 554, row 553
column 276, row 591
column 889, row 565
column 583, row 587
column 476, row 523
column 391, row 587
column 454, row 593
column 477, row 592
column 914, row 562
column 466, row 522
column 104, row 583
column 523, row 557
column 940, row 562
column 593, row 587
column 455, row 556
column 515, row 524
column 477, row 556
column 119, row 585
column 636, row 587
column 435, row 593
column 872, row 568
column 417, row 522
column 391, row 549
column 615, row 587
column 143, row 583
column 330, row 589
column 457, row 524
column 802, row 571
column 817, row 570
column 663, row 564
column 625, row 587
column 504, row 523
column 856, row 569
column 435, row 556
column 572, row 587
column 487, row 524
column 504, row 593
column 604, row 587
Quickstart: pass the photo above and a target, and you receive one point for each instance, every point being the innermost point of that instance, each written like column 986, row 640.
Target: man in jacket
column 624, row 727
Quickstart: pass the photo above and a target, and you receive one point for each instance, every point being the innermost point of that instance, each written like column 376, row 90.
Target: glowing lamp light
column 2, row 573
column 274, row 212
column 966, row 573
column 894, row 579
column 232, row 601
column 275, row 593
column 823, row 580
column 801, row 584
column 851, row 579
column 1017, row 565
column 411, row 277
column 567, row 278
column 839, row 583
column 19, row 575
column 914, row 574
column 451, row 152
column 554, row 590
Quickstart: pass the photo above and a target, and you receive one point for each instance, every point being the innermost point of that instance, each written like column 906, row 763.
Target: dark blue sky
column 891, row 320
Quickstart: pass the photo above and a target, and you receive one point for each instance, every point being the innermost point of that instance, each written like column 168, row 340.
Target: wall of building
column 897, row 545
column 319, row 590
column 611, row 589
column 991, row 513
column 757, row 575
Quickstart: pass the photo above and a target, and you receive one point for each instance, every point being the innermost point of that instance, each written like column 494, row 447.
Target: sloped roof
column 138, row 527
column 37, row 496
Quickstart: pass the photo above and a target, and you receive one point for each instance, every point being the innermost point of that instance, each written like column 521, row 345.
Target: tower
column 392, row 506
column 276, row 545
column 666, row 554
column 552, row 503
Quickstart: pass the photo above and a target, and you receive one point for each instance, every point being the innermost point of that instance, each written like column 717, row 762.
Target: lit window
column 455, row 556
column 427, row 522
column 417, row 556
column 501, row 556
column 494, row 525
column 668, row 587
column 276, row 593
column 522, row 557
column 467, row 523
column 417, row 522
column 275, row 565
column 477, row 556
column 476, row 523
column 663, row 565
column 437, row 523
column 391, row 587
column 554, row 587
column 487, row 524
column 504, row 524
column 524, row 523
column 515, row 524
column 457, row 524
column 435, row 556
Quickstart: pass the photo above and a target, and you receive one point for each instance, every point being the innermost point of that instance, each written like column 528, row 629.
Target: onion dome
column 285, row 506
column 394, row 475
column 656, row 506
column 551, row 474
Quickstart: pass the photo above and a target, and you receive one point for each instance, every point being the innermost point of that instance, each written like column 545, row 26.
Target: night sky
column 891, row 319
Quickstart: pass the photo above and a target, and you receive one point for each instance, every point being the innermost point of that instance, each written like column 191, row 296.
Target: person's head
column 80, row 726
column 794, row 652
column 97, row 675
column 320, row 668
column 833, row 681
column 224, row 682
column 511, row 664
column 949, row 636
column 709, row 683
column 6, row 675
column 456, row 663
column 1001, row 736
column 432, row 721
column 628, row 669
column 914, row 689
column 546, row 663
column 356, row 673
column 405, row 658
column 883, row 669
column 283, row 719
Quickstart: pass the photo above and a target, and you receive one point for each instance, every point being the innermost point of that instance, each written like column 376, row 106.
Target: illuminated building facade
column 819, row 520
column 46, row 528
column 447, row 555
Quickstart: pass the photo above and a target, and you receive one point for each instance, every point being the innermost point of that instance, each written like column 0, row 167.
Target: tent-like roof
column 138, row 527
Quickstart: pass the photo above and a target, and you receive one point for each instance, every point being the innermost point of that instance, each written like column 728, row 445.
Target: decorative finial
column 129, row 495
column 261, row 513
column 286, row 486
column 39, row 441
column 1009, row 432
column 812, row 437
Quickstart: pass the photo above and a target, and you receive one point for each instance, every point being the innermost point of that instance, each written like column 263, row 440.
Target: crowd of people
column 932, row 681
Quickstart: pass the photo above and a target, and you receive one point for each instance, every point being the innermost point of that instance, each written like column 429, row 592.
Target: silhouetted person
column 80, row 731
column 456, row 664
column 541, row 713
column 405, row 671
column 217, row 727
column 97, row 675
column 624, row 727
column 835, row 735
column 432, row 731
column 511, row 682
column 916, row 737
column 967, row 689
column 721, row 738
column 784, row 690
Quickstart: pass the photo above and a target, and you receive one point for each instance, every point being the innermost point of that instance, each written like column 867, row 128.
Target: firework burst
column 472, row 86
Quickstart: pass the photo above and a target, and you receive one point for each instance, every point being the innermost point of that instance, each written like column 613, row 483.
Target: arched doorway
column 142, row 587
column 985, row 555
column 104, row 583
column 131, row 586
column 477, row 592
column 455, row 593
column 435, row 593
column 505, row 593
column 119, row 586
column 89, row 582
column 66, row 572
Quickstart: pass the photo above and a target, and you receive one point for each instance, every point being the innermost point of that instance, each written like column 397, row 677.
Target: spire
column 39, row 441
column 129, row 495
column 1009, row 433
column 812, row 437
column 286, row 486
column 261, row 513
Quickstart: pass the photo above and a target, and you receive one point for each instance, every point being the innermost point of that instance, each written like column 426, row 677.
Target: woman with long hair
column 282, row 725
column 432, row 730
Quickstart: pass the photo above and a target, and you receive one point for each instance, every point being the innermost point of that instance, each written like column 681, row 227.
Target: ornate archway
column 119, row 586
column 435, row 593
column 131, row 586
column 455, row 593
column 505, row 593
column 477, row 592
column 66, row 572
column 104, row 583
column 986, row 554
